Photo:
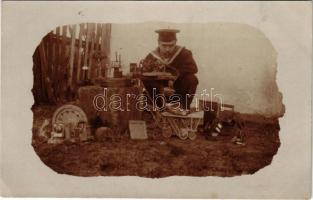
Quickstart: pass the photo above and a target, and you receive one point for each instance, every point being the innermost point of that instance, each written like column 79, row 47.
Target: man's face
column 167, row 48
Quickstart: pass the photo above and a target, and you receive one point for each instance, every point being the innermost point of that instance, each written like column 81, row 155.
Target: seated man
column 170, row 55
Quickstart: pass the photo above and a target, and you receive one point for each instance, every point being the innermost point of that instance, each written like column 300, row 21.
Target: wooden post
column 90, row 63
column 46, row 44
column 52, row 59
column 37, row 90
column 103, row 48
column 63, row 64
column 72, row 54
column 103, row 36
column 46, row 83
column 98, row 46
column 57, row 63
column 108, row 39
column 81, row 32
column 87, row 44
column 50, row 67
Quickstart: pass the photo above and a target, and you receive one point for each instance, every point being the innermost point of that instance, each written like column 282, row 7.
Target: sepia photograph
column 155, row 100
column 170, row 99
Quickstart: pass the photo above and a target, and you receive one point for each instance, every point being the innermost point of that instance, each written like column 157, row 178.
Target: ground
column 159, row 157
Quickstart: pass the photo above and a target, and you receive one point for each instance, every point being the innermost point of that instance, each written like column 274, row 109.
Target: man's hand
column 172, row 70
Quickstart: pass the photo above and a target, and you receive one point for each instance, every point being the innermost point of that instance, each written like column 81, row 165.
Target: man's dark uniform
column 183, row 62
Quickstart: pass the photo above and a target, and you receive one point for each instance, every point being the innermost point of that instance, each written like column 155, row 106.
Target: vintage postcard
column 156, row 99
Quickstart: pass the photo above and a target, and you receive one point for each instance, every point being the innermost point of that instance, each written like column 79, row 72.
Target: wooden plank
column 88, row 36
column 72, row 54
column 64, row 46
column 58, row 51
column 108, row 43
column 45, row 41
column 52, row 58
column 70, row 30
column 96, row 49
column 81, row 32
column 44, row 75
column 103, row 47
column 103, row 36
column 63, row 64
column 49, row 61
column 108, row 39
column 44, row 67
column 49, row 55
column 90, row 63
column 37, row 78
column 56, row 77
column 98, row 36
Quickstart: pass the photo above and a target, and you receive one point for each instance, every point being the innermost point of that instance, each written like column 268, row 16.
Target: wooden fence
column 59, row 58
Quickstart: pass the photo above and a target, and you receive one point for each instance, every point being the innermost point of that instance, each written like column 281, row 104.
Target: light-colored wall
column 237, row 60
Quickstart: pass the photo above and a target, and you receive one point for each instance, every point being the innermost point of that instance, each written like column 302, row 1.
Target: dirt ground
column 159, row 157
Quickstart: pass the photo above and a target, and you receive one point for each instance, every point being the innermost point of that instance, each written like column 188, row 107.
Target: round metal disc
column 69, row 114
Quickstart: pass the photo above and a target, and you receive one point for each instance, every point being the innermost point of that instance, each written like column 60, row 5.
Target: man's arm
column 148, row 63
column 187, row 63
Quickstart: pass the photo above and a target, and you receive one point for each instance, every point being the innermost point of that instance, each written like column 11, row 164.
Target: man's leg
column 154, row 85
column 184, row 85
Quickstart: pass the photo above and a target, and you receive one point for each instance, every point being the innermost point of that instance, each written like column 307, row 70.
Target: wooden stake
column 98, row 45
column 81, row 32
column 57, row 63
column 45, row 79
column 87, row 44
column 72, row 54
column 90, row 63
column 108, row 39
column 64, row 62
column 103, row 47
column 49, row 54
column 103, row 36
column 52, row 59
